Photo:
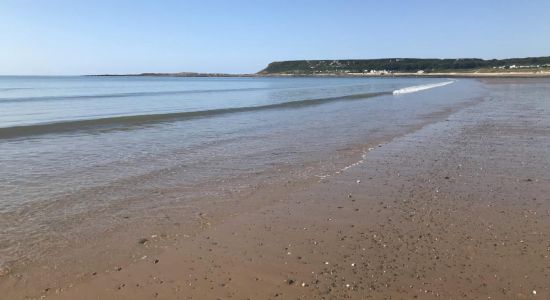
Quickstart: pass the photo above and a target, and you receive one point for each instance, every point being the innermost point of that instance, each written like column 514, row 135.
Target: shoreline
column 462, row 193
column 544, row 74
column 120, row 246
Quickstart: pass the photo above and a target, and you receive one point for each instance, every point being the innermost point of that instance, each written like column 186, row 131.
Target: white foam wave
column 417, row 88
column 357, row 163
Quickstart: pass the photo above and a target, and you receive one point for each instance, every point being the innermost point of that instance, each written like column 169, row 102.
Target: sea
column 78, row 148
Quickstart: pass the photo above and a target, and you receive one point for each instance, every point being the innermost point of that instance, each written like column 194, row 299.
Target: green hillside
column 402, row 65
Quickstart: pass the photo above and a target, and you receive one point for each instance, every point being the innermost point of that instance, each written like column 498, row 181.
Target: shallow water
column 112, row 140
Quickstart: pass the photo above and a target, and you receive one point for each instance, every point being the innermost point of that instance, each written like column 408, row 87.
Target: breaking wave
column 417, row 88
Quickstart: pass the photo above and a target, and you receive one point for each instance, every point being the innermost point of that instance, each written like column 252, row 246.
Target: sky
column 75, row 37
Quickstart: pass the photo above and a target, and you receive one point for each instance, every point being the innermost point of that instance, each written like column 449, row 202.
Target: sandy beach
column 457, row 208
column 274, row 150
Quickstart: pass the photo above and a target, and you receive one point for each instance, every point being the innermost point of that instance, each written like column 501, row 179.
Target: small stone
column 143, row 241
column 291, row 281
column 4, row 271
column 156, row 261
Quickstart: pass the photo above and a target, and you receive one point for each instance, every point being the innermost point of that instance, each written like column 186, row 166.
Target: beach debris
column 349, row 195
column 353, row 264
column 4, row 271
column 358, row 181
column 154, row 236
column 118, row 268
column 303, row 284
column 534, row 292
column 327, row 263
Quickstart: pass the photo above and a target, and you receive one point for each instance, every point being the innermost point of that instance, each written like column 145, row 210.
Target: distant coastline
column 389, row 67
column 537, row 74
column 179, row 74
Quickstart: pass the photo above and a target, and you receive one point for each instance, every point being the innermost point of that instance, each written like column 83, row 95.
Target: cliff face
column 400, row 65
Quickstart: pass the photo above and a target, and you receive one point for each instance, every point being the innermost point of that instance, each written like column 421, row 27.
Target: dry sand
column 457, row 209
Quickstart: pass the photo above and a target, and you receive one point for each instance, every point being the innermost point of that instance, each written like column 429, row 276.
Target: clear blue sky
column 130, row 36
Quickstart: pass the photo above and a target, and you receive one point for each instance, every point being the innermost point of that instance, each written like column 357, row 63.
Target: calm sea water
column 74, row 146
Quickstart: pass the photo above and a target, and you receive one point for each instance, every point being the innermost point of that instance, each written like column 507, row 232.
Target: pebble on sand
column 4, row 271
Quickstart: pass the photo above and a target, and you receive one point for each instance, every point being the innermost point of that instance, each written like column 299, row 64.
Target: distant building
column 377, row 72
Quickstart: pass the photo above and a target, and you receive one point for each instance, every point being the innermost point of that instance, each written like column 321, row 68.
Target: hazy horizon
column 76, row 38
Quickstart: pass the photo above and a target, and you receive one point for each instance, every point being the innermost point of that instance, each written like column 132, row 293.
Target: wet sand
column 456, row 209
